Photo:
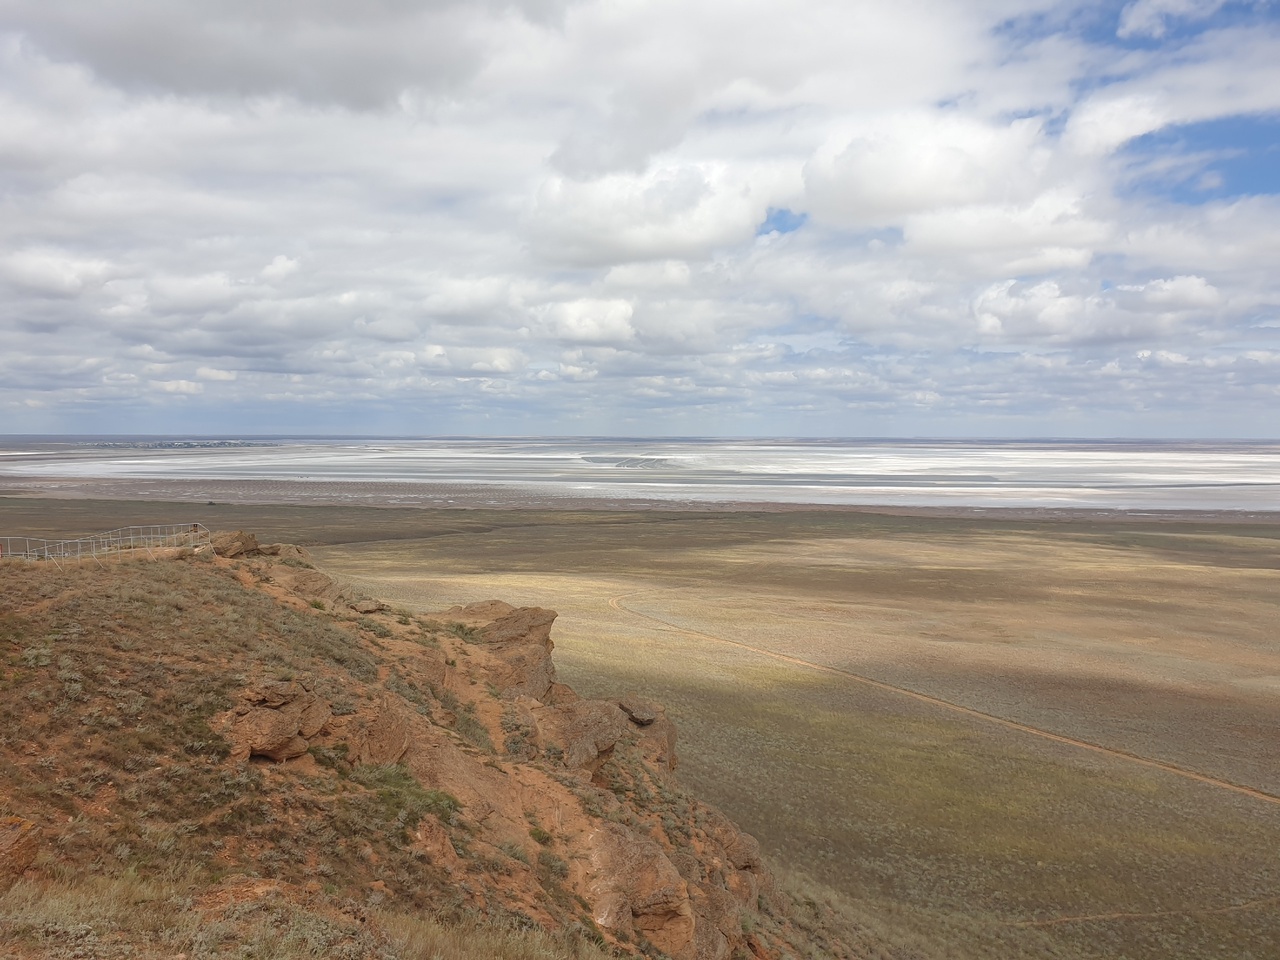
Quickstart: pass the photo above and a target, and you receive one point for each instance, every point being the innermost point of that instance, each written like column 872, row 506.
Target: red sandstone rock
column 19, row 844
column 274, row 720
column 236, row 543
column 637, row 890
column 586, row 731
column 520, row 642
column 381, row 737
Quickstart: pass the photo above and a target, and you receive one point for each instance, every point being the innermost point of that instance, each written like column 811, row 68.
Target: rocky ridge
column 430, row 760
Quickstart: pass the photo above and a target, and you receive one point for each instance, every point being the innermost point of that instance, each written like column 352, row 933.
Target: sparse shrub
column 410, row 691
column 40, row 656
column 334, row 758
column 472, row 730
column 448, row 699
column 539, row 835
column 514, row 851
column 402, row 799
column 380, row 630
column 552, row 866
column 463, row 632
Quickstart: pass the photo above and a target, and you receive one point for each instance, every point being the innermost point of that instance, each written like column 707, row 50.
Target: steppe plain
column 997, row 736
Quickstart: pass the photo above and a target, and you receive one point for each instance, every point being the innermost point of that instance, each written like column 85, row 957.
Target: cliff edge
column 236, row 724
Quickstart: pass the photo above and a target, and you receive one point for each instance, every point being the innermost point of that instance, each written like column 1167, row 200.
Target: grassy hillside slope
column 434, row 812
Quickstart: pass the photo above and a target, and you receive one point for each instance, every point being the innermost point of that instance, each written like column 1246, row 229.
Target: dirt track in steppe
column 616, row 604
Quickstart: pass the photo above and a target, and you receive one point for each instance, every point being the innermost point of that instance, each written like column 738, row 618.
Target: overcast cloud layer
column 979, row 217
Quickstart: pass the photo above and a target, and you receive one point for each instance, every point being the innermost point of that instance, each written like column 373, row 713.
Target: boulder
column 432, row 839
column 657, row 739
column 380, row 737
column 739, row 849
column 306, row 583
column 431, row 666
column 235, row 543
column 635, row 890
column 485, row 610
column 586, row 731
column 274, row 719
column 285, row 551
column 521, row 645
column 19, row 844
column 641, row 712
column 710, row 941
column 559, row 694
column 367, row 605
column 717, row 909
column 521, row 625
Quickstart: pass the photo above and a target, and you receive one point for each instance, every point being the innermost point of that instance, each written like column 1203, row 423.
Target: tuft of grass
column 470, row 728
column 402, row 798
column 378, row 629
column 514, row 851
column 553, row 867
column 463, row 632
column 124, row 916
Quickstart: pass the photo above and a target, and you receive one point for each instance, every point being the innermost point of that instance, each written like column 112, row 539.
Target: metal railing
column 113, row 543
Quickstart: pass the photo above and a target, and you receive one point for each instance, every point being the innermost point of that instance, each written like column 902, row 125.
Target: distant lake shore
column 1012, row 478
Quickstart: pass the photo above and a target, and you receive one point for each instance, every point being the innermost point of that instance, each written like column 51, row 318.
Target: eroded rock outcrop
column 584, row 733
column 447, row 769
column 383, row 735
column 19, row 844
column 274, row 719
column 637, row 890
column 656, row 732
column 686, row 885
column 285, row 551
column 519, row 638
column 234, row 543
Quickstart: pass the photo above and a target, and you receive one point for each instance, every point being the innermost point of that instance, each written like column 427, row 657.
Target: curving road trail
column 616, row 604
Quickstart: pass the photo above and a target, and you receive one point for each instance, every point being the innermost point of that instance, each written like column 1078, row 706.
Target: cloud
column 673, row 216
column 51, row 273
column 1150, row 18
column 328, row 52
column 1110, row 120
column 683, row 210
column 185, row 387
column 210, row 373
column 279, row 267
column 591, row 321
column 917, row 161
column 1180, row 292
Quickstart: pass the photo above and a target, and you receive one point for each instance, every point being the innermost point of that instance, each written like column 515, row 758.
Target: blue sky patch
column 1101, row 24
column 1213, row 160
column 782, row 220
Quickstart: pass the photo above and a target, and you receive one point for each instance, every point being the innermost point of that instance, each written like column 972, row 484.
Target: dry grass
column 945, row 831
column 917, row 832
column 109, row 677
column 128, row 918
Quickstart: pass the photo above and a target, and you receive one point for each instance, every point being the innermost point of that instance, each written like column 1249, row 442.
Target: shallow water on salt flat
column 1129, row 475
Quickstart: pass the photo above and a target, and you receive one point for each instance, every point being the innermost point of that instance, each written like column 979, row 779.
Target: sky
column 641, row 217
